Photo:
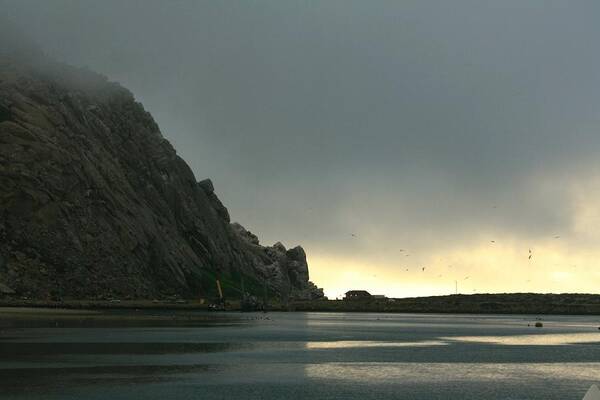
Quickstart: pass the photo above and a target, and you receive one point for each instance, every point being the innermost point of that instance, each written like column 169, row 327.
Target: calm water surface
column 186, row 355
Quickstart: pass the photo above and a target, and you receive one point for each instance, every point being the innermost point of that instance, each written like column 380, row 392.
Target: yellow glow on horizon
column 480, row 268
column 492, row 262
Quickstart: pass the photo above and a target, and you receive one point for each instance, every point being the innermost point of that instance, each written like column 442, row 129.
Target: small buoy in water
column 539, row 325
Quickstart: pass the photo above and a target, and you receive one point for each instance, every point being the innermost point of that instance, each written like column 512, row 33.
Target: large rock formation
column 95, row 202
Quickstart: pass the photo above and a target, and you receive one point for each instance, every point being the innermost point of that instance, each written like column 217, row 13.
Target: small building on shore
column 357, row 295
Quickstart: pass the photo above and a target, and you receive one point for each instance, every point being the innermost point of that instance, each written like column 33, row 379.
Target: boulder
column 207, row 186
column 244, row 234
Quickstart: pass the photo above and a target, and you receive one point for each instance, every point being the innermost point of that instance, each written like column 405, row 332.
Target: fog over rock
column 96, row 203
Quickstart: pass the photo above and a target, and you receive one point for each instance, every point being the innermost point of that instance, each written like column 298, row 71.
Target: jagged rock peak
column 245, row 234
column 207, row 186
column 97, row 204
column 279, row 247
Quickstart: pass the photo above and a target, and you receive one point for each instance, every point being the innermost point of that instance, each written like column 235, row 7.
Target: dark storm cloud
column 392, row 120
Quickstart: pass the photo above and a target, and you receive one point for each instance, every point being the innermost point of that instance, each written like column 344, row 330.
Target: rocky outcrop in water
column 95, row 202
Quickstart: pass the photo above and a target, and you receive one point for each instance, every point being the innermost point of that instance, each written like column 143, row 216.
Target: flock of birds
column 529, row 257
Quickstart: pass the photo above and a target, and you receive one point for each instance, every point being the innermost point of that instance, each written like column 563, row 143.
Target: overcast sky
column 380, row 135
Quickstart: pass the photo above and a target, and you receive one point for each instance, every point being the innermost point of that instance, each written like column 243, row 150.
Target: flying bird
column 423, row 269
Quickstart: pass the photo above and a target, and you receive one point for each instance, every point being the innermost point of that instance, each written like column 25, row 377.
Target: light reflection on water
column 378, row 373
column 346, row 344
column 548, row 339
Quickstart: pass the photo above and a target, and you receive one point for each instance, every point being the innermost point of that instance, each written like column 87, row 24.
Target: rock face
column 95, row 202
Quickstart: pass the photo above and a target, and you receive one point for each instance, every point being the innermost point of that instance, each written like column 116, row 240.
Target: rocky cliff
column 95, row 202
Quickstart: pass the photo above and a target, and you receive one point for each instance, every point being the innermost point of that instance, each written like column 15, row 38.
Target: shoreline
column 501, row 304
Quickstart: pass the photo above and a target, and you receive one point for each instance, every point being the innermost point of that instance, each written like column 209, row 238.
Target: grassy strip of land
column 509, row 303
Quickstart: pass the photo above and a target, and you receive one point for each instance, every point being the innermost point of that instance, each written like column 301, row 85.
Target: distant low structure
column 379, row 296
column 357, row 295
